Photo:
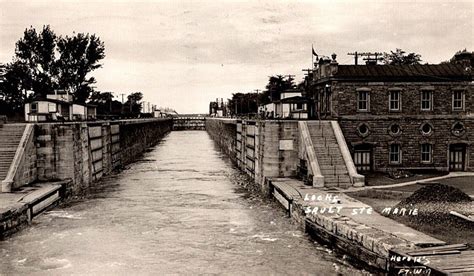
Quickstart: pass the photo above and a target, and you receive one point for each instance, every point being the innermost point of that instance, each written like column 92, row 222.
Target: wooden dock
column 455, row 259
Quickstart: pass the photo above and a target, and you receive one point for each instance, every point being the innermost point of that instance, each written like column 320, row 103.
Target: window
column 363, row 100
column 299, row 106
column 394, row 101
column 395, row 154
column 34, row 107
column 426, row 129
column 458, row 100
column 394, row 129
column 51, row 107
column 363, row 130
column 458, row 129
column 426, row 153
column 426, row 100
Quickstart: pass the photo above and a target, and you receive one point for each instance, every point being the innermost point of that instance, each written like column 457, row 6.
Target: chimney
column 333, row 65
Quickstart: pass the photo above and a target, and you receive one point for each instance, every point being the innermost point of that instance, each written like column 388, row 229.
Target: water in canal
column 178, row 210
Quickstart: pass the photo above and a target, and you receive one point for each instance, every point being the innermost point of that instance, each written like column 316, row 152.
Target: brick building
column 413, row 117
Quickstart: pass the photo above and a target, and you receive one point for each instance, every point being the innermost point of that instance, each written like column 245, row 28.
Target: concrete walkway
column 350, row 205
column 20, row 207
column 450, row 175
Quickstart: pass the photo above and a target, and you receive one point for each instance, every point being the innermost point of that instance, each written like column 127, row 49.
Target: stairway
column 10, row 136
column 328, row 153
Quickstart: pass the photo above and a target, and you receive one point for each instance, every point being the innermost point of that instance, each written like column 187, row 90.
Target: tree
column 79, row 55
column 12, row 90
column 243, row 103
column 105, row 103
column 399, row 57
column 463, row 57
column 35, row 55
column 276, row 85
column 133, row 103
column 44, row 62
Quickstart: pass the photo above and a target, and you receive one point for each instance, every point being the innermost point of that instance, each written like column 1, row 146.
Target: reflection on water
column 178, row 210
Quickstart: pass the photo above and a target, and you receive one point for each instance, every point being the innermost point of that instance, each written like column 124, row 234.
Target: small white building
column 158, row 114
column 41, row 110
column 291, row 105
column 58, row 107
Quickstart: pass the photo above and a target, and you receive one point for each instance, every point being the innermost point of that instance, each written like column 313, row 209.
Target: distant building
column 414, row 117
column 290, row 104
column 58, row 107
column 217, row 108
column 157, row 113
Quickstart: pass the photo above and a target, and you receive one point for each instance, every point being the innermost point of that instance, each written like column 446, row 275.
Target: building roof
column 49, row 100
column 293, row 90
column 431, row 72
column 295, row 99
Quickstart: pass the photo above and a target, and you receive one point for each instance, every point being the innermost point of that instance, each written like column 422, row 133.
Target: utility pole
column 356, row 57
column 257, row 90
column 122, row 107
column 369, row 56
column 290, row 77
column 110, row 102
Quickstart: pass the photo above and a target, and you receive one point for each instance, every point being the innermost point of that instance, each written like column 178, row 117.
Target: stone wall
column 84, row 152
column 345, row 98
column 278, row 148
column 26, row 171
column 262, row 149
column 138, row 135
column 410, row 140
column 410, row 119
column 224, row 133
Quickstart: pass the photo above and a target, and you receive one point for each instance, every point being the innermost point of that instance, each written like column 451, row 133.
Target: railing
column 356, row 179
column 19, row 157
column 318, row 178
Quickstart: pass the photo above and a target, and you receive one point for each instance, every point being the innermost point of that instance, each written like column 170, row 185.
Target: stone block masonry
column 261, row 149
column 138, row 135
column 84, row 152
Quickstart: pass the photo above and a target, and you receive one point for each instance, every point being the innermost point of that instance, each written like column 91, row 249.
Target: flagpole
column 312, row 62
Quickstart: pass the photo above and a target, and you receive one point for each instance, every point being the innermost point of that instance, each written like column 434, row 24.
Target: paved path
column 450, row 175
column 10, row 202
column 349, row 204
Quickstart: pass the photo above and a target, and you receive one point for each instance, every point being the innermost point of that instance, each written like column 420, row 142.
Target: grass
column 380, row 179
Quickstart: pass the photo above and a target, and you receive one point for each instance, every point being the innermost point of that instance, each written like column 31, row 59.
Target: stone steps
column 327, row 135
column 321, row 140
column 10, row 136
column 329, row 155
column 337, row 167
column 326, row 151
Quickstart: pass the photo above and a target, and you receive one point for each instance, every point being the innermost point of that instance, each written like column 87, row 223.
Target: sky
column 184, row 54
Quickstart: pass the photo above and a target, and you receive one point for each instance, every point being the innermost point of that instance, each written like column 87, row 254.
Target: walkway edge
column 20, row 212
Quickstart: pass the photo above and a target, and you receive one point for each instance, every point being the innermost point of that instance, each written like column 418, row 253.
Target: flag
column 314, row 53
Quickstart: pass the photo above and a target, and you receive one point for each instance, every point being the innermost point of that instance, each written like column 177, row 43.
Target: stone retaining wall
column 84, row 152
column 262, row 149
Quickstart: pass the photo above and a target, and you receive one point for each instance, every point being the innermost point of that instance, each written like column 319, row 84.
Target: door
column 362, row 160
column 457, row 154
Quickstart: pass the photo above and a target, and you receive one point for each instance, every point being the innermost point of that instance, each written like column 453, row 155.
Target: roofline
column 397, row 79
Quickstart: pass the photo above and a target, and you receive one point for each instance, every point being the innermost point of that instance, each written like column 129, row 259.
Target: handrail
column 19, row 154
column 318, row 178
column 356, row 179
